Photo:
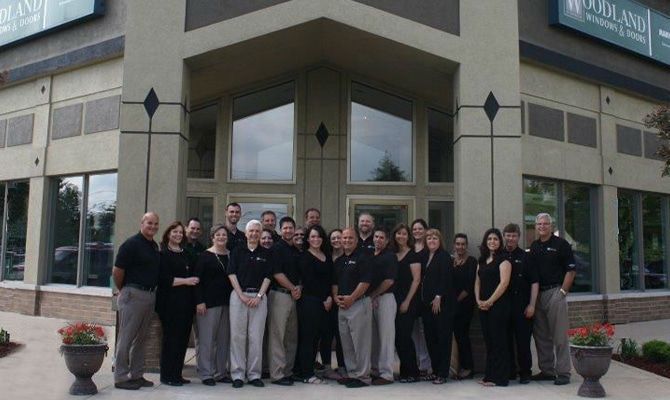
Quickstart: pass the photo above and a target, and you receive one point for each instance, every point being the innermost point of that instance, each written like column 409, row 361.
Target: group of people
column 267, row 302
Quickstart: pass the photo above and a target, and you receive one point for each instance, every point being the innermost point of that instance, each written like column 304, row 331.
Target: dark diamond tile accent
column 322, row 134
column 491, row 106
column 151, row 103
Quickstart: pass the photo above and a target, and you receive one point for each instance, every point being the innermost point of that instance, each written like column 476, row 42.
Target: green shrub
column 4, row 336
column 656, row 351
column 628, row 348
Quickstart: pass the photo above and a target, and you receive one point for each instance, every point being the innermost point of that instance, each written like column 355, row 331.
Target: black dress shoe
column 184, row 381
column 344, row 381
column 238, row 383
column 208, row 382
column 128, row 385
column 562, row 380
column 143, row 382
column 285, row 381
column 355, row 383
column 257, row 383
column 542, row 377
column 524, row 379
column 171, row 383
column 225, row 379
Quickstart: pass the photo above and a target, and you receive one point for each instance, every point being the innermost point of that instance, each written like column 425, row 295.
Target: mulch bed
column 662, row 369
column 8, row 348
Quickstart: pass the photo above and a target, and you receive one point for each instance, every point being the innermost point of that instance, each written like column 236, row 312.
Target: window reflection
column 538, row 197
column 441, row 216
column 653, row 240
column 628, row 265
column 100, row 218
column 203, row 209
column 17, row 222
column 577, row 203
column 66, row 230
column 440, row 147
column 202, row 142
column 263, row 131
column 253, row 210
column 381, row 136
column 386, row 215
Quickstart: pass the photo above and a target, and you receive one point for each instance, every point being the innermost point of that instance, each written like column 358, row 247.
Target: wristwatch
column 259, row 295
column 563, row 292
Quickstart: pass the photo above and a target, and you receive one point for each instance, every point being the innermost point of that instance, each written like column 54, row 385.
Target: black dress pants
column 311, row 315
column 328, row 332
column 438, row 330
column 176, row 333
column 462, row 320
column 495, row 324
column 404, row 324
column 520, row 331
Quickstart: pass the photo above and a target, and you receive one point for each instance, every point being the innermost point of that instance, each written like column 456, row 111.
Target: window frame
column 353, row 200
column 415, row 109
column 81, row 245
column 229, row 112
column 3, row 226
column 427, row 108
column 278, row 198
column 201, row 106
column 559, row 224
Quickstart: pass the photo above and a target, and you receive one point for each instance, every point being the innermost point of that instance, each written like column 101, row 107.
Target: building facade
column 468, row 114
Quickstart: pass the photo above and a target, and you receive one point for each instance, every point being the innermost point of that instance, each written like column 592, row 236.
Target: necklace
column 175, row 250
column 223, row 267
column 459, row 261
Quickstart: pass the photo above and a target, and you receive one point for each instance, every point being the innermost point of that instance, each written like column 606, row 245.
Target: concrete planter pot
column 591, row 363
column 83, row 361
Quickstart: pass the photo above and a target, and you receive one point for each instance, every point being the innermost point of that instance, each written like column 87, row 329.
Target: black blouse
column 464, row 279
column 438, row 278
column 174, row 299
column 316, row 275
column 214, row 288
column 404, row 278
column 489, row 278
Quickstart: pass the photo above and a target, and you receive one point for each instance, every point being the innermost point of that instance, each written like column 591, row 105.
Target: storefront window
column 381, row 136
column 67, row 222
column 440, row 147
column 93, row 199
column 571, row 207
column 653, row 242
column 202, row 142
column 263, row 135
column 629, row 269
column 578, row 232
column 16, row 208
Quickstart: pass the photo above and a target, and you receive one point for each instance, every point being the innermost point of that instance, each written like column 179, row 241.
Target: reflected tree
column 660, row 119
column 388, row 171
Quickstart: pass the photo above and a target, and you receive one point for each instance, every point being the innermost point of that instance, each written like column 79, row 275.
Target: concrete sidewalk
column 37, row 371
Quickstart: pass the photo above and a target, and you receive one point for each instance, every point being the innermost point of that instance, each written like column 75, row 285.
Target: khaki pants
column 550, row 328
column 383, row 336
column 247, row 327
column 136, row 310
column 355, row 326
column 283, row 335
column 213, row 345
column 419, row 338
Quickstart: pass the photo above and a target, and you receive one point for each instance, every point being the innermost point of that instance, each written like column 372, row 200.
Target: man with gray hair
column 552, row 258
column 135, row 274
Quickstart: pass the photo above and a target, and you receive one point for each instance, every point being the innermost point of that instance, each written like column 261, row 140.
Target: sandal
column 487, row 383
column 440, row 380
column 408, row 379
column 429, row 377
column 313, row 380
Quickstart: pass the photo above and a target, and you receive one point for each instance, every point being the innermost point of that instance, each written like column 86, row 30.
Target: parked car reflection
column 98, row 259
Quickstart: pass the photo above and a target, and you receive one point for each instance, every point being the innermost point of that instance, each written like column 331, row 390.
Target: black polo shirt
column 285, row 261
column 237, row 239
column 367, row 245
column 193, row 251
column 551, row 260
column 384, row 266
column 251, row 267
column 276, row 237
column 350, row 270
column 140, row 259
column 522, row 275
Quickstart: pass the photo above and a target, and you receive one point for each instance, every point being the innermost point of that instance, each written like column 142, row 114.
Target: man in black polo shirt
column 384, row 267
column 192, row 245
column 352, row 280
column 236, row 237
column 312, row 217
column 366, row 225
column 249, row 273
column 282, row 313
column 554, row 262
column 135, row 273
column 523, row 289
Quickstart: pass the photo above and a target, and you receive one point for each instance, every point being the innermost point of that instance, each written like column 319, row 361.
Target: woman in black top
column 493, row 277
column 419, row 227
column 316, row 267
column 438, row 305
column 175, row 304
column 465, row 270
column 405, row 289
column 212, row 320
column 331, row 331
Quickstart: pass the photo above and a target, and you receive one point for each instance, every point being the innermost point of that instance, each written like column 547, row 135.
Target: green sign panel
column 23, row 19
column 623, row 23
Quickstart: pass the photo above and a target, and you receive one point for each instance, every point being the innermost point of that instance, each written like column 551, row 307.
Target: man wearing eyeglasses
column 554, row 262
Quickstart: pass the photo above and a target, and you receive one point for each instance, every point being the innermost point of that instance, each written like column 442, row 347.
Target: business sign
column 624, row 23
column 23, row 19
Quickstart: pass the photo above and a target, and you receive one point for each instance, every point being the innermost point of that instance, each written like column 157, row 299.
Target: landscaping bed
column 662, row 369
column 8, row 348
